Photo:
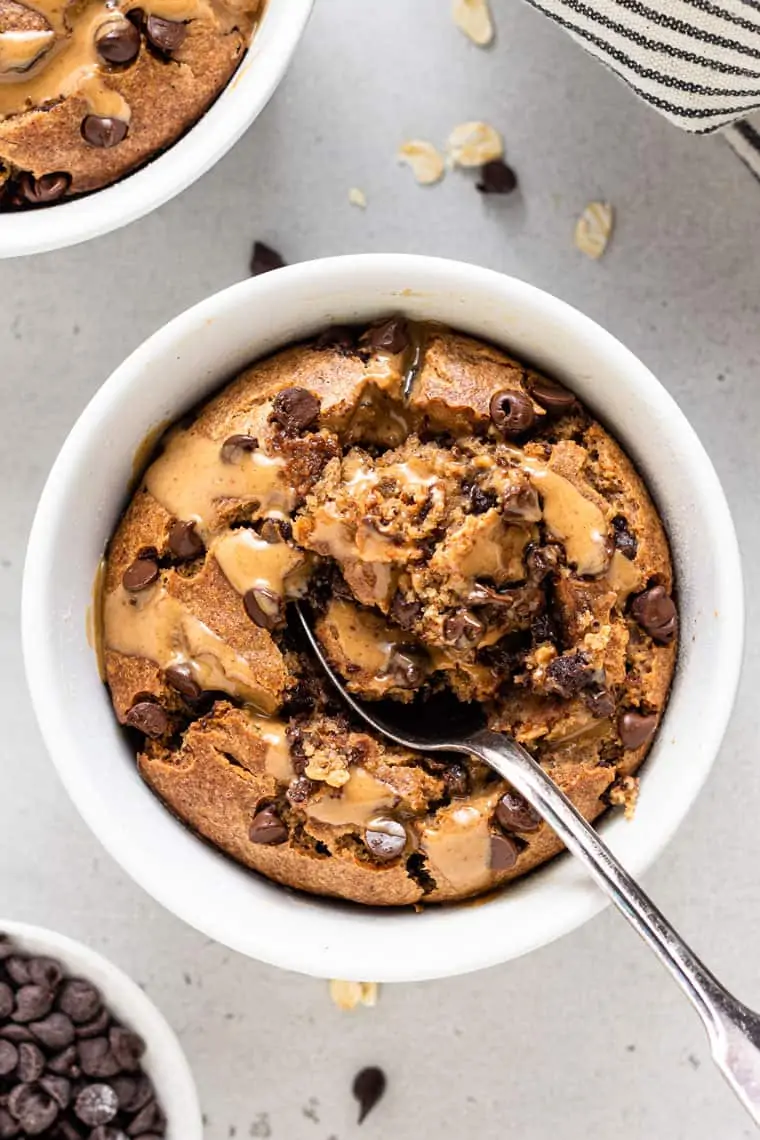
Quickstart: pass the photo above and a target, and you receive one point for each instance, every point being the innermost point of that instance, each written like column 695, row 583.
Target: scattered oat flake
column 474, row 144
column 473, row 17
column 349, row 995
column 593, row 229
column 425, row 160
column 357, row 197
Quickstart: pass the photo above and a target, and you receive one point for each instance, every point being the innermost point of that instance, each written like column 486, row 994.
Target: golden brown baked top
column 91, row 89
column 464, row 530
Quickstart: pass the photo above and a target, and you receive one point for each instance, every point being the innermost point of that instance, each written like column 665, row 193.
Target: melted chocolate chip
column 264, row 259
column 514, row 813
column 407, row 666
column 103, row 131
column 368, row 1088
column 456, row 779
column 143, row 572
column 184, row 541
column 624, row 539
column 149, row 718
column 264, row 607
column 339, row 337
column 236, row 446
column 385, row 839
column 295, row 409
column 118, row 42
column 636, row 729
column 480, row 501
column 600, row 702
column 504, row 852
column 552, row 397
column 405, row 612
column 542, row 561
column 299, row 790
column 655, row 612
column 44, row 190
column 182, row 678
column 267, row 828
column 569, row 674
column 496, row 178
column 463, row 630
column 390, row 336
column 512, row 412
column 166, row 36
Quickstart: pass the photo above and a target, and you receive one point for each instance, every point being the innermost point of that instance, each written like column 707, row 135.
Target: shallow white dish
column 242, row 101
column 188, row 359
column 164, row 1061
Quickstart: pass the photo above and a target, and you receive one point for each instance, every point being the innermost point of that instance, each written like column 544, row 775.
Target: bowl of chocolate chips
column 83, row 1052
column 108, row 108
column 486, row 502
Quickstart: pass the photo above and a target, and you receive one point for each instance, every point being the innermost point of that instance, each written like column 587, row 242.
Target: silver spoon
column 733, row 1029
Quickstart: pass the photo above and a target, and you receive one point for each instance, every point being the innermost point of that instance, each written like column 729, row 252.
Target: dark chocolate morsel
column 264, row 259
column 149, row 718
column 295, row 409
column 140, row 574
column 184, row 541
column 267, row 828
column 504, row 852
column 368, row 1088
column 103, row 131
column 118, row 42
column 514, row 813
column 636, row 729
column 497, row 178
column 512, row 412
column 166, row 36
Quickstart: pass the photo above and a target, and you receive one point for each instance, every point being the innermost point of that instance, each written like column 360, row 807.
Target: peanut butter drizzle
column 623, row 576
column 190, row 478
column 247, row 561
column 94, row 619
column 159, row 628
column 277, row 759
column 497, row 553
column 365, row 640
column 360, row 800
column 458, row 846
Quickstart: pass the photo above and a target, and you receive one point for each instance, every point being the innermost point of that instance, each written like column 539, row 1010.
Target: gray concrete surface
column 588, row 1037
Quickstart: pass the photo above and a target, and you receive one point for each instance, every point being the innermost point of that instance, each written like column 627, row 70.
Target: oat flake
column 349, row 995
column 474, row 144
column 473, row 17
column 357, row 197
column 425, row 160
column 593, row 229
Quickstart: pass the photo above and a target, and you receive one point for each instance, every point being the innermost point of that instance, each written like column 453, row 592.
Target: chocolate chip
column 33, row 1002
column 521, row 504
column 143, row 572
column 512, row 412
column 31, row 1062
column 18, row 968
column 264, row 259
column 655, row 612
column 299, row 790
column 481, row 501
column 6, row 1000
column 182, row 678
column 184, row 541
column 45, row 190
column 569, row 674
column 33, row 1108
column 390, row 336
column 636, row 729
column 542, row 561
column 55, row 1031
column 57, row 1087
column 148, row 717
column 340, row 337
column 504, row 852
column 95, row 1028
column 236, row 446
column 106, row 1132
column 624, row 539
column 295, row 409
column 127, row 1047
column 496, row 178
column 80, row 1000
column 133, row 1092
column 65, row 1063
column 148, row 1119
column 8, row 1057
column 118, row 42
column 136, row 16
column 16, row 1033
column 6, row 947
column 600, row 702
column 8, row 1126
column 103, row 131
column 405, row 611
column 407, row 666
column 96, row 1057
column 96, row 1104
column 514, row 813
column 271, row 531
column 166, row 36
column 463, row 630
column 267, row 828
column 456, row 779
column 368, row 1088
column 385, row 839
column 552, row 397
column 45, row 972
column 264, row 607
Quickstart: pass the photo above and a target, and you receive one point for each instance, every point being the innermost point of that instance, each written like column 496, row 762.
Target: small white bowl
column 164, row 1061
column 187, row 360
column 242, row 101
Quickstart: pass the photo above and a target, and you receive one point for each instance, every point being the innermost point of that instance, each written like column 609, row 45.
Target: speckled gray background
column 587, row 1038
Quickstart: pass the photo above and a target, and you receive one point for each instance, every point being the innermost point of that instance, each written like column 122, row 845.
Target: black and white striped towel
column 696, row 61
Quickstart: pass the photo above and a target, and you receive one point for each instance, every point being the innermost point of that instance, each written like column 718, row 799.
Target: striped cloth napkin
column 696, row 61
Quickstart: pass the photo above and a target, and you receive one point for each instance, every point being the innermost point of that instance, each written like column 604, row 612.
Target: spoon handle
column 733, row 1029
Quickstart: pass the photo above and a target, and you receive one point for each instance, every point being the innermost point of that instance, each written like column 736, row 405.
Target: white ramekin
column 189, row 358
column 244, row 98
column 164, row 1061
